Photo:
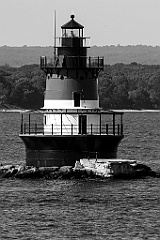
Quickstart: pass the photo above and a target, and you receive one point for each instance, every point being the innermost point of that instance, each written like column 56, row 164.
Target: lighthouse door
column 77, row 98
column 82, row 124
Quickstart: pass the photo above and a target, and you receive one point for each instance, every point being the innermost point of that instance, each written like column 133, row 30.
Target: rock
column 47, row 172
column 66, row 172
column 8, row 171
column 86, row 168
column 141, row 170
column 116, row 168
column 53, row 175
column 28, row 172
column 5, row 167
column 66, row 169
column 78, row 166
column 80, row 173
column 48, row 169
column 107, row 168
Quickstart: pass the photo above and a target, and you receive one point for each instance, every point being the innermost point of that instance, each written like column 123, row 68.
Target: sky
column 107, row 22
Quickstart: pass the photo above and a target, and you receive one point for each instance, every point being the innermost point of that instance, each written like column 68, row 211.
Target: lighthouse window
column 77, row 99
column 72, row 33
column 67, row 33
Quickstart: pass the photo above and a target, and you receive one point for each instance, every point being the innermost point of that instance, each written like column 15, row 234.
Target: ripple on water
column 41, row 209
column 81, row 210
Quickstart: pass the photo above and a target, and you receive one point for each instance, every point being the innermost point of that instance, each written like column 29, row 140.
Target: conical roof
column 72, row 24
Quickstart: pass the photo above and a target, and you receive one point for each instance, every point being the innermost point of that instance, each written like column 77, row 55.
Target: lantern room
column 72, row 29
column 72, row 35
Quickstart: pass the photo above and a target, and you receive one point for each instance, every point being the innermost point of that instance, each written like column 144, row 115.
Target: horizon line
column 112, row 45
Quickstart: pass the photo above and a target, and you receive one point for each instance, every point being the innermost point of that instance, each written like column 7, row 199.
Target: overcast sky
column 107, row 22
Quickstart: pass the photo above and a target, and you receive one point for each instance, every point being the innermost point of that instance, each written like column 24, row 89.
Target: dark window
column 82, row 124
column 76, row 99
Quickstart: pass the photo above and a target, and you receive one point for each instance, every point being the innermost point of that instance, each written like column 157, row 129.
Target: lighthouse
column 74, row 126
column 72, row 83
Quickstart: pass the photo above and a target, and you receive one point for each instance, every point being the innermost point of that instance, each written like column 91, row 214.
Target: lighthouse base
column 48, row 151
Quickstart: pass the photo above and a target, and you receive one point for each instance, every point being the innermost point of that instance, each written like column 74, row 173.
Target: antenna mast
column 54, row 35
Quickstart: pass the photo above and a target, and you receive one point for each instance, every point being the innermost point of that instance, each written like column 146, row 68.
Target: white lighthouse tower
column 72, row 82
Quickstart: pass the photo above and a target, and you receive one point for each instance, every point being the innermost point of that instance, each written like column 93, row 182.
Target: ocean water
column 83, row 209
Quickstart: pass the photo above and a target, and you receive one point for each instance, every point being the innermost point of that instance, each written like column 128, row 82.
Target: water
column 86, row 209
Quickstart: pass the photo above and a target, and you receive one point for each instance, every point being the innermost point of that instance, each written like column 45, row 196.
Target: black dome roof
column 72, row 24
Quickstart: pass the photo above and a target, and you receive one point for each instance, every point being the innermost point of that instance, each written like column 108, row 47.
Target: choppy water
column 88, row 209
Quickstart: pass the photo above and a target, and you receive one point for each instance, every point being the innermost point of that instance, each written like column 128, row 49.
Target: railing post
column 71, row 129
column 89, row 62
column 29, row 123
column 118, row 129
column 121, row 124
column 61, row 123
column 96, row 156
column 52, row 129
column 113, row 123
column 100, row 124
column 91, row 128
column 21, row 123
column 24, row 128
column 45, row 61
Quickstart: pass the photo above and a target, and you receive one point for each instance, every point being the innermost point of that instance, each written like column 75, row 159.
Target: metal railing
column 73, row 42
column 104, row 129
column 71, row 62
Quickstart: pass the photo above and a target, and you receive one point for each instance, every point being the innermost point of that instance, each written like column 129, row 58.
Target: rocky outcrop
column 86, row 168
column 117, row 168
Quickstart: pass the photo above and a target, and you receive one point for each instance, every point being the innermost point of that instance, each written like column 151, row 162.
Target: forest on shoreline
column 121, row 86
column 28, row 55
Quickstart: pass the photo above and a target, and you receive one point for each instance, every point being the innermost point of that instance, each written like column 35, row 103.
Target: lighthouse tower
column 72, row 79
column 72, row 82
column 74, row 126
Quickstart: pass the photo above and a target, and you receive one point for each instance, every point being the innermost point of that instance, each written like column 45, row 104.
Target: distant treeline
column 130, row 86
column 22, row 87
column 18, row 56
